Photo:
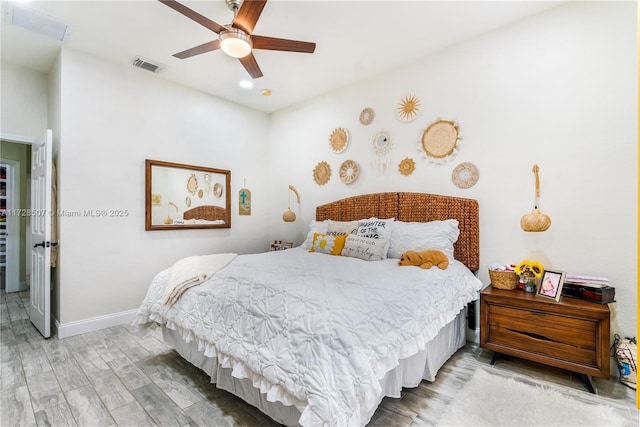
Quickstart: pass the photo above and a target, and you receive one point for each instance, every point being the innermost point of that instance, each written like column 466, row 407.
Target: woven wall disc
column 465, row 175
column 217, row 189
column 339, row 140
column 322, row 173
column 440, row 139
column 366, row 116
column 349, row 171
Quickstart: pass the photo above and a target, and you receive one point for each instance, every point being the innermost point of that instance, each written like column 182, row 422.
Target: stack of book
column 590, row 288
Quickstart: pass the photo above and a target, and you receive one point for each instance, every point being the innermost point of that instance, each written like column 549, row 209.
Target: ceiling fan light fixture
column 235, row 43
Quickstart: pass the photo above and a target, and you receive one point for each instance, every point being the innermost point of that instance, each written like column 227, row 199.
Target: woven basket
column 503, row 279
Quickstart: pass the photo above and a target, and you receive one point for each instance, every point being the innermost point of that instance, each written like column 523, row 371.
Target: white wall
column 23, row 118
column 113, row 118
column 23, row 105
column 558, row 90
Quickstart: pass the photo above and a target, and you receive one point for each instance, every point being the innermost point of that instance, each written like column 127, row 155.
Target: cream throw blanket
column 192, row 271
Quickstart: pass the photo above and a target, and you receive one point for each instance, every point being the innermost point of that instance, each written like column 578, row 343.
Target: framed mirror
column 181, row 196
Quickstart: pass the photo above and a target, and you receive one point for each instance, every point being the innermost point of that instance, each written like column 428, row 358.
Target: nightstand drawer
column 555, row 328
column 569, row 339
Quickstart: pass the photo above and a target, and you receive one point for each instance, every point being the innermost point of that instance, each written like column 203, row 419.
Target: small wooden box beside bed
column 328, row 337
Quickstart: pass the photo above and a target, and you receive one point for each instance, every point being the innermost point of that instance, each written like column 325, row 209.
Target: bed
column 314, row 339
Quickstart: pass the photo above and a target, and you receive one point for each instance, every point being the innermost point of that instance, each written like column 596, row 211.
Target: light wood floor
column 115, row 377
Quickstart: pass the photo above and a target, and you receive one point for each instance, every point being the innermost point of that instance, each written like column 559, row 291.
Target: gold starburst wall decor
column 407, row 166
column 322, row 173
column 408, row 108
column 339, row 140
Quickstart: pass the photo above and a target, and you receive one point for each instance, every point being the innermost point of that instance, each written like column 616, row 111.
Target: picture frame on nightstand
column 551, row 284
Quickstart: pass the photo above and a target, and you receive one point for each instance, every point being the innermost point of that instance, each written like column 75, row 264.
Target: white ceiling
column 355, row 40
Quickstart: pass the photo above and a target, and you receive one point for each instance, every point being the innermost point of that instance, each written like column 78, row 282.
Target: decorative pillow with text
column 375, row 228
column 338, row 228
column 366, row 248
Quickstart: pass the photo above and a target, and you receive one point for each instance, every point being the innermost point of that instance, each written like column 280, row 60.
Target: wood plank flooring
column 115, row 377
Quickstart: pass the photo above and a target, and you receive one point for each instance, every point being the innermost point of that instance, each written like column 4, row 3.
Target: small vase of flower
column 529, row 272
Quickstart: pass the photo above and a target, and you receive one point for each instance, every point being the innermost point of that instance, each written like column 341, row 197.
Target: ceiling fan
column 236, row 39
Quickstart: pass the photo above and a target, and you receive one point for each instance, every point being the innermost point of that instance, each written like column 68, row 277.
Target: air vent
column 145, row 64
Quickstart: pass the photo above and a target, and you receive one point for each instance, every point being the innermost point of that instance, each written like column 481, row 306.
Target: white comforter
column 313, row 330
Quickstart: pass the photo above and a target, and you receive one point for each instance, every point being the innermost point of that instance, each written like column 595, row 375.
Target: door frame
column 12, row 252
column 20, row 139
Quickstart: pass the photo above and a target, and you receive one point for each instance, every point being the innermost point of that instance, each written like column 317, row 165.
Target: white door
column 41, row 215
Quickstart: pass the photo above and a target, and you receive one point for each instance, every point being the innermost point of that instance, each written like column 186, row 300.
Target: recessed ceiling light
column 247, row 84
column 266, row 92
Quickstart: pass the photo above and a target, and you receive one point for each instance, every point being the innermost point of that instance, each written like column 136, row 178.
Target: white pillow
column 376, row 228
column 418, row 236
column 314, row 227
column 366, row 248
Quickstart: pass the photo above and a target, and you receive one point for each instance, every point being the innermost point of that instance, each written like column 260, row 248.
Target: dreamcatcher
column 381, row 146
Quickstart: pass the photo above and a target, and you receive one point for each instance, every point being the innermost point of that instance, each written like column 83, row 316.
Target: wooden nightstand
column 571, row 334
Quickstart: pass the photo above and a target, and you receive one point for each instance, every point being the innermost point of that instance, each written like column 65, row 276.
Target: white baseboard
column 94, row 324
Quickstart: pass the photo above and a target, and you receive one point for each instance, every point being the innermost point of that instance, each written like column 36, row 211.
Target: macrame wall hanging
column 381, row 145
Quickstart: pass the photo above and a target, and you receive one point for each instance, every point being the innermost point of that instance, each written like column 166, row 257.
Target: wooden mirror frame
column 210, row 212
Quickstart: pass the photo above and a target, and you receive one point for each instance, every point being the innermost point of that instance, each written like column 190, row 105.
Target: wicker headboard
column 207, row 212
column 415, row 207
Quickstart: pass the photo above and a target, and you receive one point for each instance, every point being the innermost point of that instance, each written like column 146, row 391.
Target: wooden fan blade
column 272, row 43
column 251, row 65
column 248, row 15
column 203, row 48
column 192, row 14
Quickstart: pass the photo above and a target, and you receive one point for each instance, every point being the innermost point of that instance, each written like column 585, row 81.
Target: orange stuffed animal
column 425, row 259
